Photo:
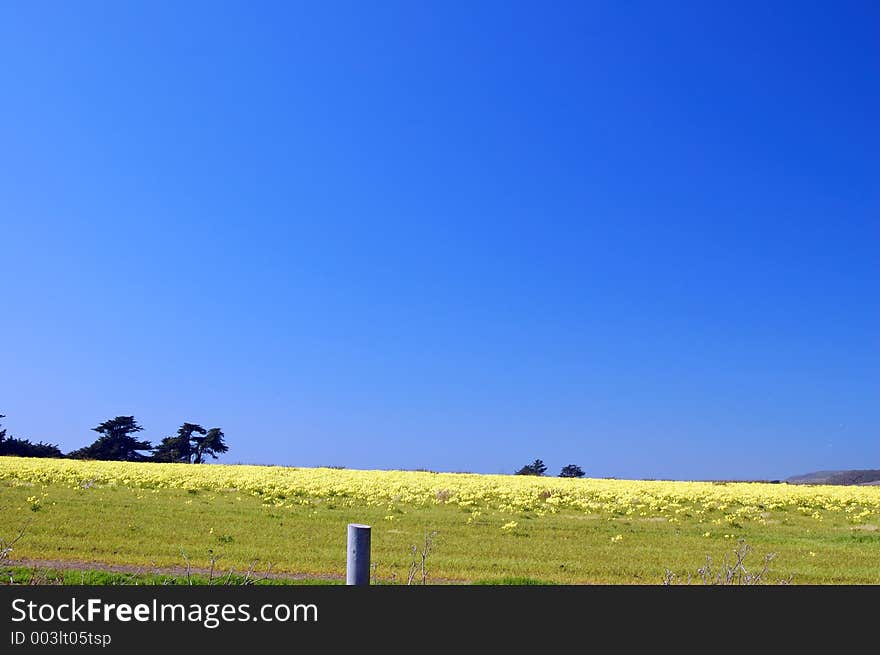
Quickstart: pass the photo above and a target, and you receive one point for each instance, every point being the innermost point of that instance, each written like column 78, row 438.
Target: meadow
column 486, row 528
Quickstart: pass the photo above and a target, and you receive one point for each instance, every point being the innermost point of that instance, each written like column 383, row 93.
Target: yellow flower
column 283, row 488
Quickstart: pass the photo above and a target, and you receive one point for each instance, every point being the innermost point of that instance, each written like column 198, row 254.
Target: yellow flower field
column 596, row 529
column 282, row 486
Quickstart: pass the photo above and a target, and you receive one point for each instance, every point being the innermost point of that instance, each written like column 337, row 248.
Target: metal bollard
column 357, row 566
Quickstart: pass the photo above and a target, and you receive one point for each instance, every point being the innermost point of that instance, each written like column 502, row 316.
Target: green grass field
column 165, row 527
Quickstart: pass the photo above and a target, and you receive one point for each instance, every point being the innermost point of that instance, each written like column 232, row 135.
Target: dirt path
column 257, row 573
column 176, row 571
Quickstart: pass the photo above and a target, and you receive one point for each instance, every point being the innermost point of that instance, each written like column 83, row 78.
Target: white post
column 357, row 566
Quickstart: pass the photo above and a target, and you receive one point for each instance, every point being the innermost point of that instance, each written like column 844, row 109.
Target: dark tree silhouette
column 535, row 468
column 178, row 448
column 25, row 448
column 211, row 444
column 116, row 442
column 191, row 445
column 571, row 471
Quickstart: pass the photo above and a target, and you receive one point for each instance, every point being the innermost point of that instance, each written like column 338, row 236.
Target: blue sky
column 642, row 237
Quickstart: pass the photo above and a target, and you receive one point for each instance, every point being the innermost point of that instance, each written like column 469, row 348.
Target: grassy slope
column 141, row 527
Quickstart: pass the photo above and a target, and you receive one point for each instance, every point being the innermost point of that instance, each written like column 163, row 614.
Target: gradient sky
column 643, row 237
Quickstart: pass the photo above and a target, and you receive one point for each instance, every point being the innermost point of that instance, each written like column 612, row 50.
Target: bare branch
column 732, row 570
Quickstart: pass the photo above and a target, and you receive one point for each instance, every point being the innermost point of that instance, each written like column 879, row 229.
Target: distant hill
column 856, row 476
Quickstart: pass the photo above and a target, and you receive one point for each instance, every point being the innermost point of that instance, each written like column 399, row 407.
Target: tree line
column 539, row 468
column 192, row 444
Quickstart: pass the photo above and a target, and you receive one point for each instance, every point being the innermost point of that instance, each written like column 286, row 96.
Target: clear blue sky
column 643, row 237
